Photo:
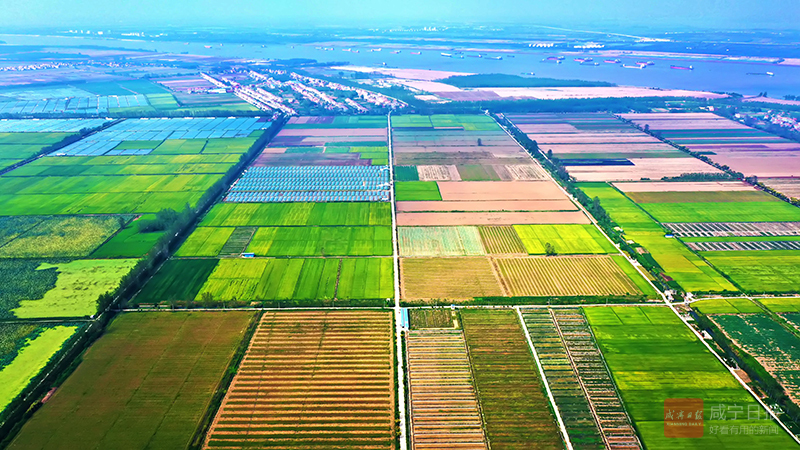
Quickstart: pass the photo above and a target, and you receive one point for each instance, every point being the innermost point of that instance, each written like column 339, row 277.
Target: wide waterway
column 708, row 75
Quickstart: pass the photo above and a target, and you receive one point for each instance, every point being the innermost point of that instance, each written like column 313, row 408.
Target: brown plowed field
column 500, row 190
column 490, row 218
column 312, row 379
column 444, row 406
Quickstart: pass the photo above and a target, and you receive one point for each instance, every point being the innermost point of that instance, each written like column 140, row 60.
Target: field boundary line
column 630, row 260
column 505, row 290
column 560, row 421
column 398, row 320
column 735, row 375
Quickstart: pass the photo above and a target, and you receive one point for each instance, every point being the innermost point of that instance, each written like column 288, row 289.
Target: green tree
column 549, row 250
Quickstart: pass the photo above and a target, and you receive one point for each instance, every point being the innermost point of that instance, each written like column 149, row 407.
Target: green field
column 180, row 147
column 77, row 288
column 26, row 357
column 298, row 214
column 129, row 242
column 406, row 173
column 772, row 211
column 178, row 279
column 407, row 191
column 205, row 241
column 701, row 197
column 760, row 271
column 653, row 356
column 775, row 348
column 57, row 236
column 477, row 172
column 678, row 262
column 565, row 239
column 299, row 279
column 145, row 384
column 321, row 241
column 782, row 305
column 511, row 395
column 440, row 241
column 22, row 281
column 726, row 306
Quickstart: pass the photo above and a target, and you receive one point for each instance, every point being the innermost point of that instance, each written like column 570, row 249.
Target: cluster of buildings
column 40, row 66
column 269, row 93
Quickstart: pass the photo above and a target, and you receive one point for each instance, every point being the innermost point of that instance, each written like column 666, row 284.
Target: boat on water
column 682, row 67
column 638, row 66
column 647, row 63
column 375, row 50
column 495, row 57
column 766, row 74
column 396, row 52
column 447, row 55
column 612, row 61
column 589, row 63
column 416, row 53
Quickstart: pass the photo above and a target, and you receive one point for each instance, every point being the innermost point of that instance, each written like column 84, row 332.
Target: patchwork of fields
column 652, row 357
column 78, row 219
column 145, row 384
column 465, row 188
column 743, row 149
column 311, row 214
column 598, row 147
column 309, row 225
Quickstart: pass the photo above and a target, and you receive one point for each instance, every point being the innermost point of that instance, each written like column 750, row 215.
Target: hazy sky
column 664, row 14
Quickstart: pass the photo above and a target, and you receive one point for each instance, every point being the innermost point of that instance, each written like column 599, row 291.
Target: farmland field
column 145, row 384
column 501, row 240
column 298, row 214
column 420, row 319
column 653, row 356
column 760, row 271
column 770, row 211
column 447, row 278
column 726, row 306
column 321, row 241
column 331, row 388
column 687, row 269
column 205, row 241
column 298, row 279
column 443, row 401
column 128, row 242
column 569, row 276
column 515, row 408
column 407, row 191
column 565, row 239
column 77, row 287
column 774, row 347
column 440, row 241
column 60, row 237
column 24, row 352
column 178, row 279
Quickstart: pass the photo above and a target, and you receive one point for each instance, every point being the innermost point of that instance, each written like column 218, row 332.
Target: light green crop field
column 62, row 237
column 653, row 356
column 440, row 241
column 726, row 306
column 701, row 197
column 760, row 271
column 300, row 279
column 782, row 305
column 129, row 242
column 30, row 360
column 565, row 239
column 180, row 147
column 298, row 214
column 321, row 241
column 770, row 211
column 205, row 241
column 686, row 268
column 406, row 191
column 77, row 288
